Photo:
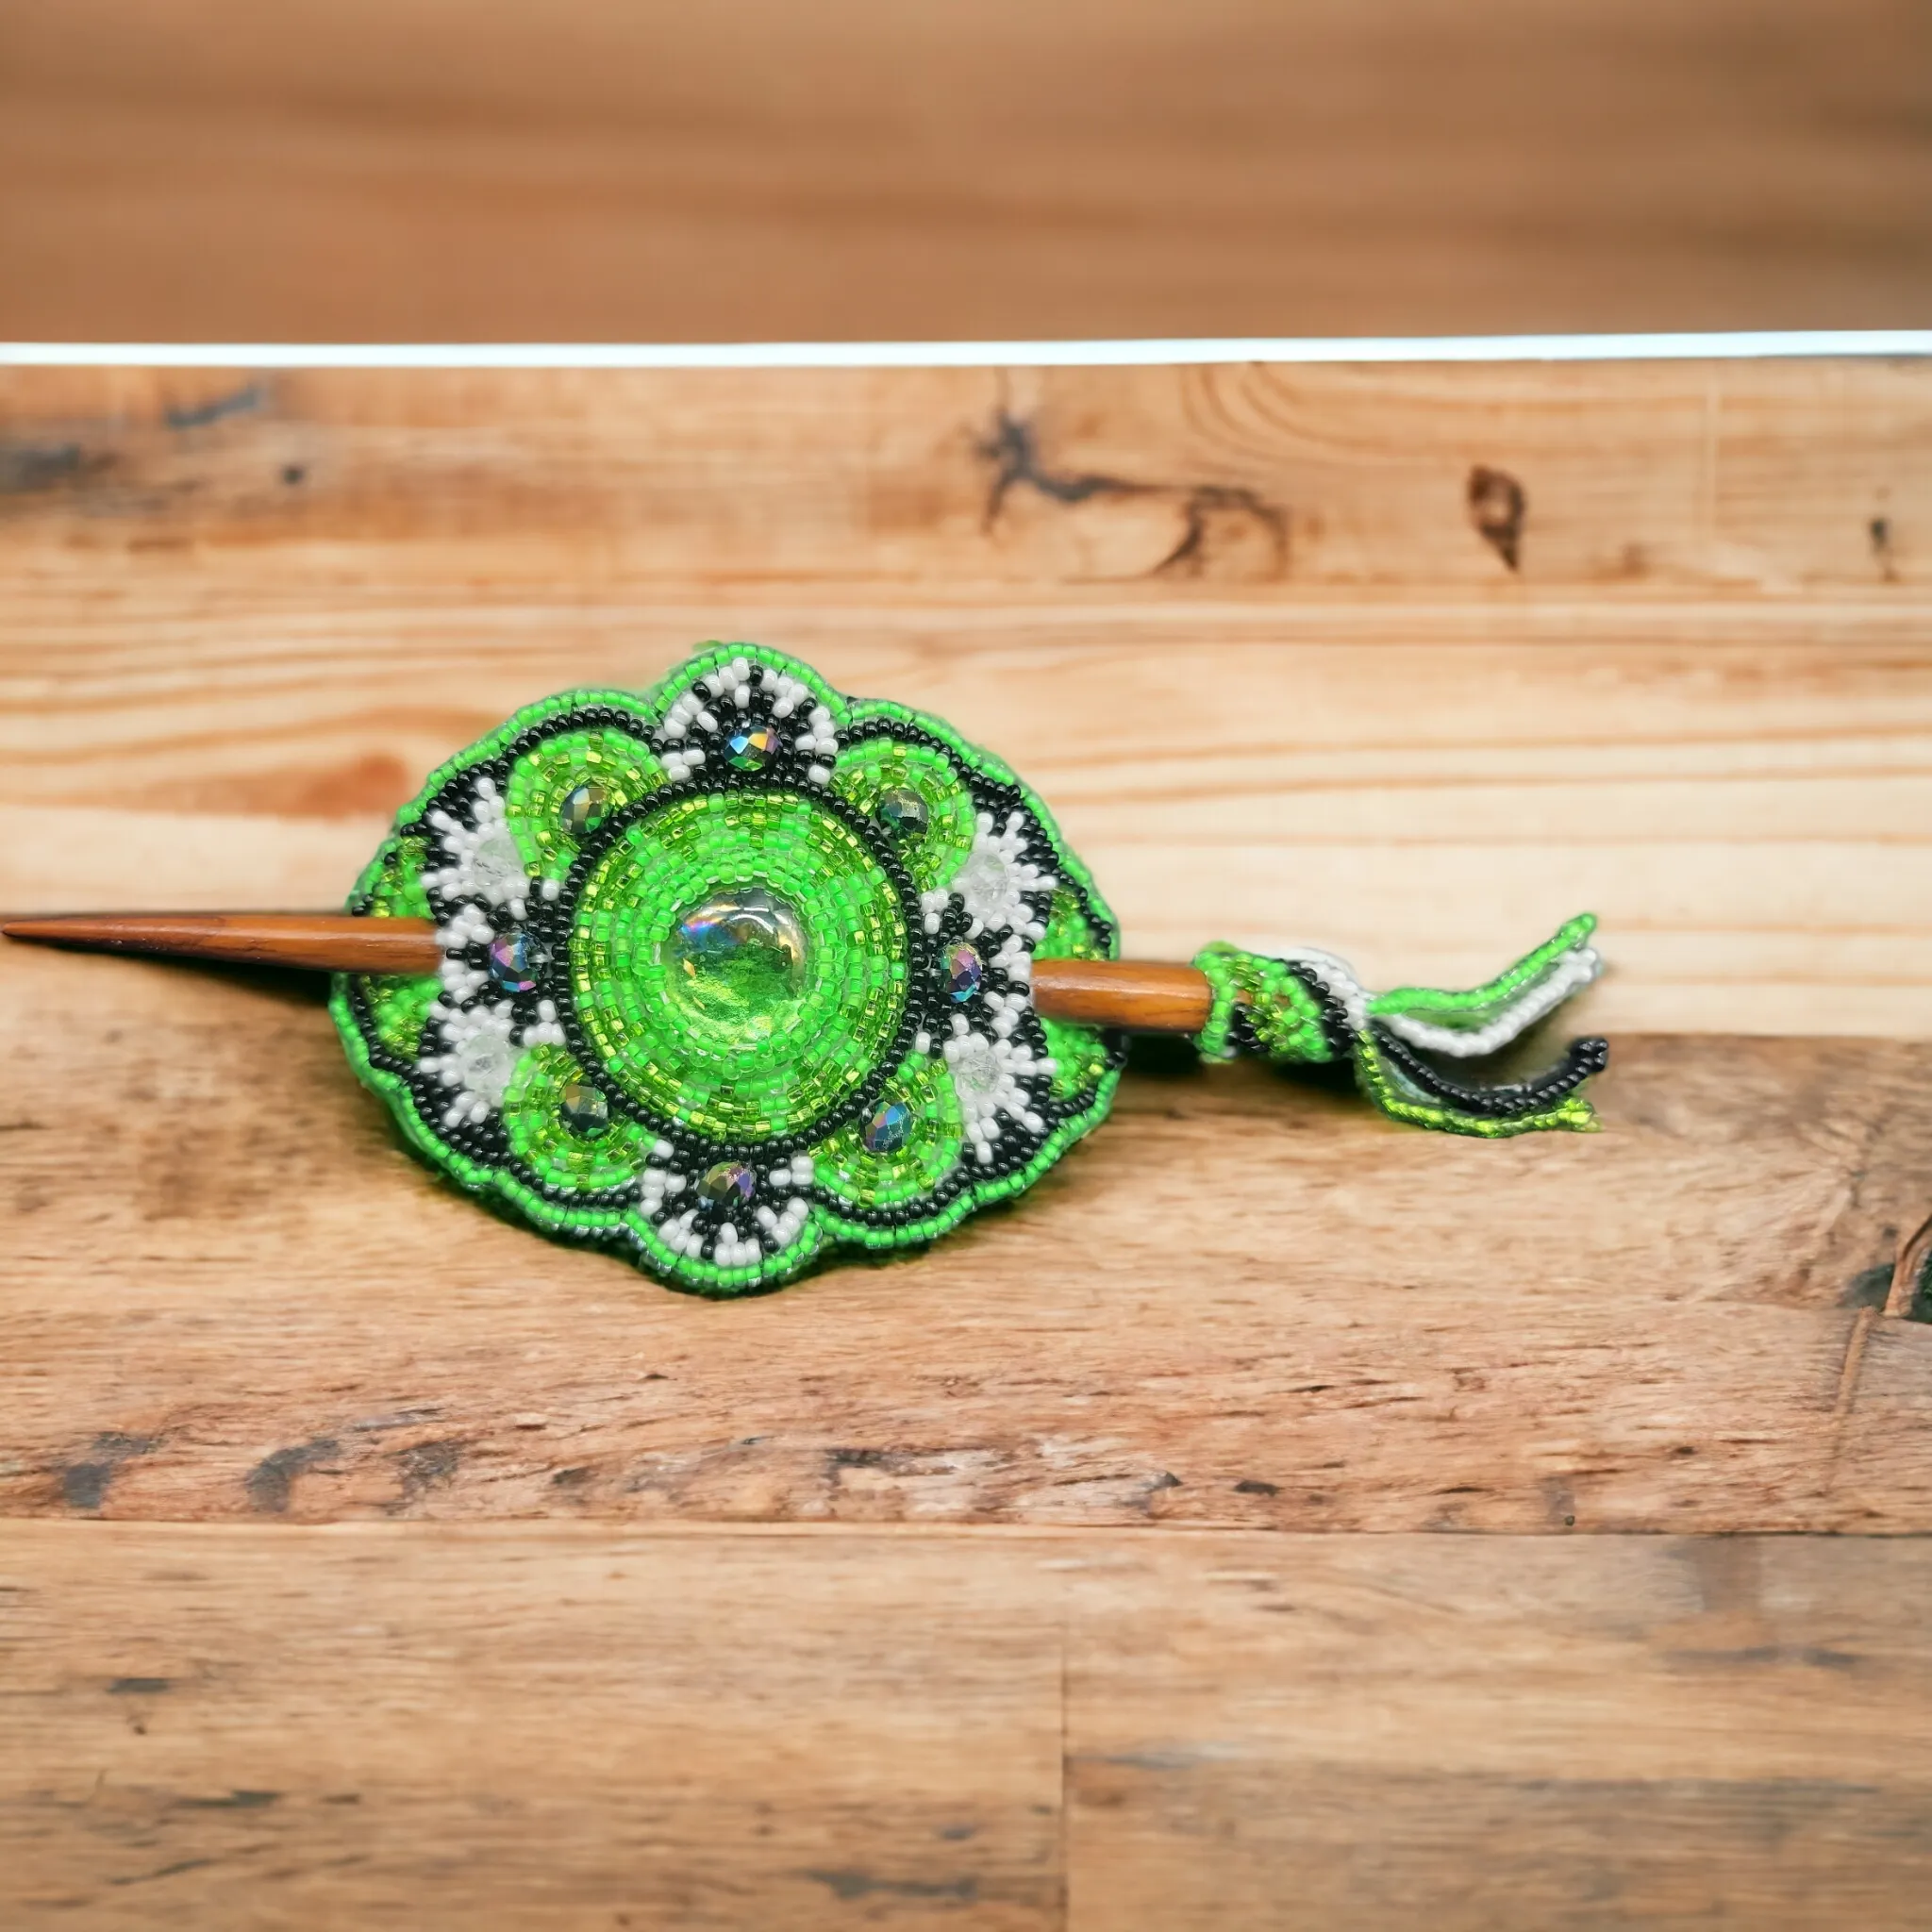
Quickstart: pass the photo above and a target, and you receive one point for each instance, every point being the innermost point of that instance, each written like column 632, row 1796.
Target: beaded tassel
column 1307, row 1007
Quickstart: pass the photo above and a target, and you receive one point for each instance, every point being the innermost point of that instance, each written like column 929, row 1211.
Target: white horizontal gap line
column 1078, row 354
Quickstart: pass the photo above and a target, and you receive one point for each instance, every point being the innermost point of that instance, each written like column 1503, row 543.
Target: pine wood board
column 249, row 612
column 1471, row 1734
column 402, row 170
column 1745, row 479
column 553, row 1724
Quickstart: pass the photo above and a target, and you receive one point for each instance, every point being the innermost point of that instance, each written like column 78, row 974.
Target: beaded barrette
column 740, row 971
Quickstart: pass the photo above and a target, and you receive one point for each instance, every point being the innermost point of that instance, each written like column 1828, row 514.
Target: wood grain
column 1477, row 1734
column 413, row 170
column 1142, row 996
column 543, row 1730
column 1700, row 706
column 562, row 1725
column 1159, row 488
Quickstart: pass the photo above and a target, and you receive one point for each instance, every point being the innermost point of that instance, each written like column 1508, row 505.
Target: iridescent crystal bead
column 585, row 808
column 583, row 1109
column 902, row 811
column 889, row 1129
column 750, row 746
column 741, row 954
column 515, row 960
column 728, row 1184
column 962, row 970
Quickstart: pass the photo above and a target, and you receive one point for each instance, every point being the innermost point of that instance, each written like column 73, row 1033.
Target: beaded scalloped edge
column 1018, row 887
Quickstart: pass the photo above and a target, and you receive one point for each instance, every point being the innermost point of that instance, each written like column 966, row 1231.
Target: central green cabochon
column 739, row 961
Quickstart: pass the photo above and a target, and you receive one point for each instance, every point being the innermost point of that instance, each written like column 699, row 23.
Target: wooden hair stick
column 1140, row 996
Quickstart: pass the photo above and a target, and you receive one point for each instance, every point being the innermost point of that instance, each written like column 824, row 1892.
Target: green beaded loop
column 914, row 1151
column 869, row 774
column 563, row 1145
column 734, row 973
column 1283, row 1016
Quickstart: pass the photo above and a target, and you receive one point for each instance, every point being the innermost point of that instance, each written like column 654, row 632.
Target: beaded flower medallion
column 733, row 971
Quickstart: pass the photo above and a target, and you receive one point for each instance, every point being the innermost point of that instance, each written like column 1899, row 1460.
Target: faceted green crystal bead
column 750, row 748
column 903, row 812
column 888, row 1130
column 585, row 808
column 583, row 1109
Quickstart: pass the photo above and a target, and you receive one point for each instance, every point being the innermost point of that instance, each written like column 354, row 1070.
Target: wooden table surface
column 1280, row 1518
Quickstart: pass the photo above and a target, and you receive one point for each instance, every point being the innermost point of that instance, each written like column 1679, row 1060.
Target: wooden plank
column 366, row 171
column 1701, row 704
column 560, row 1725
column 524, row 1731
column 1627, row 481
column 1472, row 1735
column 1245, row 1302
column 1747, row 821
column 221, row 682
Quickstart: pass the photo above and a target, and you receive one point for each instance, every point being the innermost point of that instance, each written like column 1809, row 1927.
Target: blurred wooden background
column 752, row 169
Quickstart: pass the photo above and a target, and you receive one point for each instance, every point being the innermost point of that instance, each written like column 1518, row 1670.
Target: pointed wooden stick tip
column 313, row 942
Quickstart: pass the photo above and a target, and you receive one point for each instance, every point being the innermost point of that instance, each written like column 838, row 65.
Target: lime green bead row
column 536, row 1123
column 1469, row 1010
column 867, row 771
column 934, row 1137
column 543, row 780
column 399, row 1002
column 976, row 1195
column 1570, row 1113
column 1079, row 1053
